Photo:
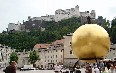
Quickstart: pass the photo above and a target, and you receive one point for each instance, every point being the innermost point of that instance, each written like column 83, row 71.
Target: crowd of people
column 101, row 67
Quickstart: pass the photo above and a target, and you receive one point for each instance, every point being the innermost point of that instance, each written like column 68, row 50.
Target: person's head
column 13, row 63
column 112, row 68
column 95, row 67
column 115, row 67
column 103, row 69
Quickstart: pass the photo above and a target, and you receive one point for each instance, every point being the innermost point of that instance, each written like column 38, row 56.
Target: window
column 48, row 51
column 61, row 50
column 70, row 43
column 56, row 60
column 48, row 56
column 51, row 61
column 56, row 56
column 70, row 51
column 56, row 50
column 61, row 56
column 48, row 60
column 53, row 56
column 45, row 56
column 45, row 60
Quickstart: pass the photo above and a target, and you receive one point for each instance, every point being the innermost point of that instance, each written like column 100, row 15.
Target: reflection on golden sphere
column 90, row 41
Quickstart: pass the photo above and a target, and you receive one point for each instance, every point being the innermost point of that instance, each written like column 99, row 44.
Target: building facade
column 50, row 54
column 112, row 53
column 73, row 12
column 68, row 13
column 5, row 52
column 69, row 58
column 65, row 14
column 33, row 23
column 23, row 58
column 14, row 27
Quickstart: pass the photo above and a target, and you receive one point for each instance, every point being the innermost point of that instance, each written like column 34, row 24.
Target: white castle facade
column 59, row 15
column 65, row 14
column 13, row 26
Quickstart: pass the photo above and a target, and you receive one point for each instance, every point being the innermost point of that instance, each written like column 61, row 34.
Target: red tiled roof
column 38, row 46
column 58, row 42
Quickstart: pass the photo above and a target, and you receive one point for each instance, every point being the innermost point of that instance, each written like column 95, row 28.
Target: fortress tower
column 93, row 14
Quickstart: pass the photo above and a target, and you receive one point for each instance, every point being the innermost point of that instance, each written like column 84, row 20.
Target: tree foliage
column 33, row 57
column 13, row 57
column 113, row 31
column 53, row 31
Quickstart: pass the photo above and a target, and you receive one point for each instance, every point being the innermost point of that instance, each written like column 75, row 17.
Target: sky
column 12, row 11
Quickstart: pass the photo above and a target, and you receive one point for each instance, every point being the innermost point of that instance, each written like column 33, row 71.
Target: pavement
column 41, row 71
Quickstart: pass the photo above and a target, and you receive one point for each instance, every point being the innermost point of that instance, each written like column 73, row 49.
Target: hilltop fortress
column 65, row 14
column 39, row 22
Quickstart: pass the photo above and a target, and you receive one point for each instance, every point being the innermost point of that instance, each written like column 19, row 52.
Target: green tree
column 33, row 57
column 113, row 31
column 113, row 34
column 13, row 57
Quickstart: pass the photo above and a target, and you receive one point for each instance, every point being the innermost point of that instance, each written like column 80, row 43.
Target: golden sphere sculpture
column 90, row 42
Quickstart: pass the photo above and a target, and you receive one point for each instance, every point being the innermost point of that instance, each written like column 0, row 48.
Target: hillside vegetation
column 53, row 31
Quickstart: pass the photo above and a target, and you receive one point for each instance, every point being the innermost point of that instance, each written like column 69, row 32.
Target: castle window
column 70, row 51
column 56, row 56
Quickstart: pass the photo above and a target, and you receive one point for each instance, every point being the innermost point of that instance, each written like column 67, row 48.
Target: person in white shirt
column 57, row 68
column 111, row 70
column 115, row 69
column 96, row 70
